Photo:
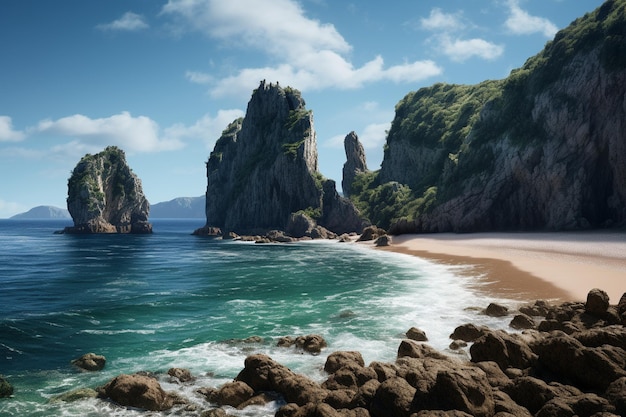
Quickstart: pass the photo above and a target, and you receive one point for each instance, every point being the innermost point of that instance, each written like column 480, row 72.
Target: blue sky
column 162, row 79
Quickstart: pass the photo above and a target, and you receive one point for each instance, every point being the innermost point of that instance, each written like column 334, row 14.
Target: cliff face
column 105, row 196
column 355, row 162
column 543, row 149
column 264, row 166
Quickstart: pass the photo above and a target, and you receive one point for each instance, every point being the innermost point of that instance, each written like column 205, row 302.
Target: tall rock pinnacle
column 355, row 162
column 264, row 166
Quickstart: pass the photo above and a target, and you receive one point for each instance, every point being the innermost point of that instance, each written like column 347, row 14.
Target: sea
column 149, row 303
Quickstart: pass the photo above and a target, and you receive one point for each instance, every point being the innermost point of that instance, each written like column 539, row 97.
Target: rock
column 74, row 395
column 538, row 308
column 494, row 374
column 300, row 225
column 394, row 397
column 581, row 405
column 504, row 349
column 355, row 162
column 137, row 391
column 597, row 302
column 285, row 341
column 468, row 332
column 209, row 231
column 457, row 344
column 416, row 334
column 496, row 310
column 616, row 394
column 260, row 399
column 384, row 240
column 466, row 390
column 522, row 322
column 590, row 368
column 180, row 374
column 6, row 389
column 264, row 167
column 371, row 233
column 312, row 343
column 105, row 196
column 90, row 362
column 413, row 349
column 338, row 360
column 441, row 413
column 608, row 335
column 529, row 392
column 384, row 371
column 233, row 393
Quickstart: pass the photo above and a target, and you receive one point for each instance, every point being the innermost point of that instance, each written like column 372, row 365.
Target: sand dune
column 563, row 266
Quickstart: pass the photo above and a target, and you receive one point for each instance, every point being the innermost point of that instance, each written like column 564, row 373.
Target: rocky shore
column 558, row 360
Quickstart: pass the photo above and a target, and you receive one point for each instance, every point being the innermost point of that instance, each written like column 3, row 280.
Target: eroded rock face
column 264, row 168
column 105, row 196
column 355, row 162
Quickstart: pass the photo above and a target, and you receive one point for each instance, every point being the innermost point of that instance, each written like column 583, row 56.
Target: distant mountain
column 44, row 212
column 179, row 208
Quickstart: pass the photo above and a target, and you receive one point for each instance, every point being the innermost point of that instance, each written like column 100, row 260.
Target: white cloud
column 129, row 22
column 309, row 55
column 520, row 22
column 438, row 20
column 460, row 50
column 134, row 134
column 198, row 77
column 374, row 135
column 208, row 128
column 7, row 134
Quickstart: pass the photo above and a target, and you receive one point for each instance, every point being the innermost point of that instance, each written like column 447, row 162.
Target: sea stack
column 264, row 168
column 105, row 196
column 355, row 162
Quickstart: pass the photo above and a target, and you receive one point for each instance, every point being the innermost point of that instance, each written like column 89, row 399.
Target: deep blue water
column 151, row 302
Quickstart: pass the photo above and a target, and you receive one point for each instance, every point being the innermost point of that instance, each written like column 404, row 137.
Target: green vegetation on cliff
column 445, row 140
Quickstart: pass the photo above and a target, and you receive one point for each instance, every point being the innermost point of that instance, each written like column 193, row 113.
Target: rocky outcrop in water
column 264, row 168
column 541, row 149
column 355, row 162
column 105, row 196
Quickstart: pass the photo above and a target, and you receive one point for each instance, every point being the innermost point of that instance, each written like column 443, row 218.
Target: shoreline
column 556, row 266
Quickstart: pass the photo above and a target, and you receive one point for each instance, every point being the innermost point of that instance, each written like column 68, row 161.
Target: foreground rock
column 139, row 391
column 6, row 389
column 105, row 196
column 532, row 373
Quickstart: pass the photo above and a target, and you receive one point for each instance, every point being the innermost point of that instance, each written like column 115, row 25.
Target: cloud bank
column 304, row 52
column 521, row 22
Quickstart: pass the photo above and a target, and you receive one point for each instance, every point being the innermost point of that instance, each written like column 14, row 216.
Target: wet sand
column 561, row 266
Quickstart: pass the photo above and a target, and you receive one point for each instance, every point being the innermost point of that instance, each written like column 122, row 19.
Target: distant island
column 178, row 208
column 43, row 212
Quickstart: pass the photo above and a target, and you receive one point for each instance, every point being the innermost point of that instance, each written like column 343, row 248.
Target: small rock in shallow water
column 90, row 362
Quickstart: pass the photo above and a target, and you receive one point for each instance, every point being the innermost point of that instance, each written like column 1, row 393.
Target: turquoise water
column 170, row 299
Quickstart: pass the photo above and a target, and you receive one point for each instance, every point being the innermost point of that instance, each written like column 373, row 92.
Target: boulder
column 416, row 334
column 137, row 391
column 180, row 374
column 90, row 362
column 465, row 389
column 384, row 240
column 74, row 395
column 312, row 343
column 616, row 394
column 522, row 322
column 6, row 389
column 413, row 349
column 597, row 302
column 394, row 397
column 496, row 310
column 580, row 405
column 371, row 233
column 232, row 393
column 468, row 332
column 299, row 224
column 539, row 308
column 338, row 360
column 590, row 368
column 504, row 349
column 609, row 335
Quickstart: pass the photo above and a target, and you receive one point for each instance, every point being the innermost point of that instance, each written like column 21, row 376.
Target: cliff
column 105, row 196
column 264, row 167
column 541, row 149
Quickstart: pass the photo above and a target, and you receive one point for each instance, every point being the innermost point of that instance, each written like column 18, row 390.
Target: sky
column 161, row 79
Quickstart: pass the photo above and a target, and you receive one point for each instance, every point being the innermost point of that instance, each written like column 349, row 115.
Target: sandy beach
column 560, row 266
